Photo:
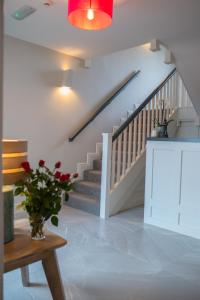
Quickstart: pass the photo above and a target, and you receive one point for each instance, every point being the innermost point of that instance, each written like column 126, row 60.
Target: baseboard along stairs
column 112, row 178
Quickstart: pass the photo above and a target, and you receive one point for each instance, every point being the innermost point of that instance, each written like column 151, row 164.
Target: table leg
column 51, row 268
column 25, row 276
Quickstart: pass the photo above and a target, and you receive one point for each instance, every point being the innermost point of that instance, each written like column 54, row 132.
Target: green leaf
column 18, row 191
column 46, row 203
column 19, row 183
column 54, row 220
column 20, row 206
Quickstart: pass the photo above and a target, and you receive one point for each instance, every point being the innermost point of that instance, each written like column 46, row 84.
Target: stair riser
column 95, row 192
column 82, row 205
column 92, row 177
column 97, row 164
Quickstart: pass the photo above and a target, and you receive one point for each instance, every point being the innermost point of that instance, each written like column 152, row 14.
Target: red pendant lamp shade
column 90, row 14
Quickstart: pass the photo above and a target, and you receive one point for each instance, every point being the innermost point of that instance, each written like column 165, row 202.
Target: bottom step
column 83, row 202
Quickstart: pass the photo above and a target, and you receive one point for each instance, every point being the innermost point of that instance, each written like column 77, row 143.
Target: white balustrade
column 121, row 154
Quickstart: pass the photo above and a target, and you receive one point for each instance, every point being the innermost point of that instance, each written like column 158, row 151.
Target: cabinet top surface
column 185, row 140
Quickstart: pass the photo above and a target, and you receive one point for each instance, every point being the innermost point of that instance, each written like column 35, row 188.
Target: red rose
column 26, row 166
column 57, row 175
column 75, row 175
column 58, row 165
column 67, row 176
column 41, row 163
column 64, row 177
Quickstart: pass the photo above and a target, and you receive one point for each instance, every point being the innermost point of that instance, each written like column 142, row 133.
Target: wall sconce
column 66, row 82
column 155, row 45
column 13, row 154
column 168, row 57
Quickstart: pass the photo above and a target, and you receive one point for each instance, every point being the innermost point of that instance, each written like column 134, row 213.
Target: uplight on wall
column 64, row 90
column 66, row 82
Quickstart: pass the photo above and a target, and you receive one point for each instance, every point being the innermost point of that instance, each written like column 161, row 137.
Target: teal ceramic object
column 8, row 216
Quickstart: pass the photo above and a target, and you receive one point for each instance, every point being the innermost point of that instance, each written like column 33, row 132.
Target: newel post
column 105, row 176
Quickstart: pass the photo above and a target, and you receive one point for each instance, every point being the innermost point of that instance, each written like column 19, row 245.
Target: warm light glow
column 10, row 140
column 13, row 155
column 14, row 152
column 90, row 14
column 7, row 188
column 64, row 90
column 11, row 171
column 146, row 46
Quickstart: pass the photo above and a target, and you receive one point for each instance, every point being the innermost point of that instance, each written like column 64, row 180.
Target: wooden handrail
column 105, row 104
column 140, row 108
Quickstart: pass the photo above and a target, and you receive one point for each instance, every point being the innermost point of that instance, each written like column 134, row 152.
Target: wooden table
column 23, row 251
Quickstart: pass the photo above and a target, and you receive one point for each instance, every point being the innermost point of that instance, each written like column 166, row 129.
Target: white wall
column 187, row 51
column 35, row 110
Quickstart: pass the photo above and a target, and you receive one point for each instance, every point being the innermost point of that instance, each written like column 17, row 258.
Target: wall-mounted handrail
column 105, row 104
column 140, row 108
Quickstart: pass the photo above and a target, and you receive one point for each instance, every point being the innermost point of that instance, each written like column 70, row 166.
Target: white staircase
column 112, row 179
column 123, row 162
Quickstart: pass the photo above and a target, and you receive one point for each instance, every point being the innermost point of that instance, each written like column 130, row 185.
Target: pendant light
column 90, row 14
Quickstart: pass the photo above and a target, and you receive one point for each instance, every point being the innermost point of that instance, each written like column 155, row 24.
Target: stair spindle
column 144, row 128
column 119, row 157
column 130, row 136
column 124, row 151
column 148, row 120
column 139, row 134
column 113, row 171
column 135, row 131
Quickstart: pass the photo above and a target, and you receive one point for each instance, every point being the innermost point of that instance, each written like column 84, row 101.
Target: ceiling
column 176, row 23
column 135, row 22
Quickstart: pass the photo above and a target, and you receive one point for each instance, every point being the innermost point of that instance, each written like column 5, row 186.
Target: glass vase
column 37, row 228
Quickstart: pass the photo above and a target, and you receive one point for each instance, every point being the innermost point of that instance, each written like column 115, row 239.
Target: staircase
column 87, row 191
column 112, row 179
column 86, row 195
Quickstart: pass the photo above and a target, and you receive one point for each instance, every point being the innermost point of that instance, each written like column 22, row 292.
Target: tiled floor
column 117, row 259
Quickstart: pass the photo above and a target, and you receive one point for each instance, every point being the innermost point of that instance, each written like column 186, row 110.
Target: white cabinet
column 172, row 188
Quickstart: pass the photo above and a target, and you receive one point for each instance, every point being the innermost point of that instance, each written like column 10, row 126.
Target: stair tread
column 93, row 171
column 84, row 197
column 89, row 183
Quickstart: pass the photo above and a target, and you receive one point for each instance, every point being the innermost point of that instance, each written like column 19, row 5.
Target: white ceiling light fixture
column 48, row 3
column 87, row 63
column 155, row 45
column 169, row 59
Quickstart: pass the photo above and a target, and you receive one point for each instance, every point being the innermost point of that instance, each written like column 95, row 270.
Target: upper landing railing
column 166, row 84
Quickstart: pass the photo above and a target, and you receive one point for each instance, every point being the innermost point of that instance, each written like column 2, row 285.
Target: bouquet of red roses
column 42, row 189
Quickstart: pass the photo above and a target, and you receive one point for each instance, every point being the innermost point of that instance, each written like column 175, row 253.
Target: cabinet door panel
column 190, row 189
column 166, row 185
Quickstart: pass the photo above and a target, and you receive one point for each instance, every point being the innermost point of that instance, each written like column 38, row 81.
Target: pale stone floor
column 117, row 259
